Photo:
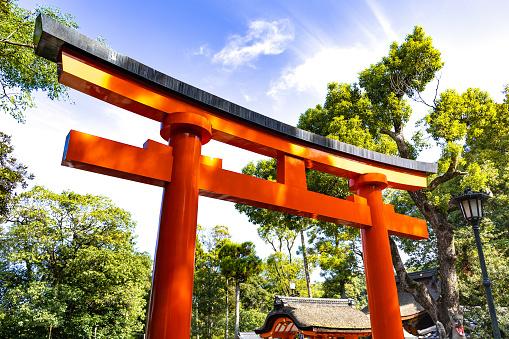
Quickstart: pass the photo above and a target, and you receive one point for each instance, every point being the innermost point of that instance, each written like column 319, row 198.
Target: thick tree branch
column 418, row 290
column 10, row 42
column 23, row 23
column 6, row 95
column 450, row 174
column 436, row 89
column 404, row 152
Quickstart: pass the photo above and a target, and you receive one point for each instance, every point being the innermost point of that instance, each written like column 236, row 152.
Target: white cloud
column 203, row 50
column 263, row 38
column 247, row 97
column 382, row 19
column 327, row 65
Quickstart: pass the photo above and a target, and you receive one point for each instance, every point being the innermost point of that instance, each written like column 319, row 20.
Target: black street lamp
column 292, row 288
column 472, row 204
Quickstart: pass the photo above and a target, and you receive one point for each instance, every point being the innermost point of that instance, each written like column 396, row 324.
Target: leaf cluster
column 218, row 263
column 68, row 262
column 239, row 261
column 13, row 174
column 21, row 71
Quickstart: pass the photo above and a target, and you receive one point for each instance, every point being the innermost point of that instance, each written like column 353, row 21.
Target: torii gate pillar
column 170, row 307
column 380, row 282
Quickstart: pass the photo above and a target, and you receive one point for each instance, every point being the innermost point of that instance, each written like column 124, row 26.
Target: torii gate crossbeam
column 190, row 118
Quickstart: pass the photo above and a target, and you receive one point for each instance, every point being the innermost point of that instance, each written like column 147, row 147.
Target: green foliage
column 459, row 121
column 255, row 294
column 219, row 262
column 334, row 246
column 348, row 116
column 68, row 263
column 407, row 70
column 318, row 290
column 251, row 319
column 208, row 295
column 214, row 238
column 356, row 289
column 279, row 271
column 472, row 293
column 472, row 290
column 13, row 174
column 239, row 261
column 21, row 71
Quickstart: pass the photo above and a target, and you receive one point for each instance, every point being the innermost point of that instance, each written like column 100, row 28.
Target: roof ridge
column 315, row 301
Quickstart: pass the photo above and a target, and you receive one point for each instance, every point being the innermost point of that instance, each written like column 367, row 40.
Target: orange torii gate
column 190, row 117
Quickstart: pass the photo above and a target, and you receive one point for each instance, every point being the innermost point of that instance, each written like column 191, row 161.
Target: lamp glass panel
column 474, row 203
column 466, row 209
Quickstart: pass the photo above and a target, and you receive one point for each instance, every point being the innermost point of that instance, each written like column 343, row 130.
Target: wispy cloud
column 327, row 65
column 263, row 38
column 247, row 97
column 203, row 50
column 382, row 19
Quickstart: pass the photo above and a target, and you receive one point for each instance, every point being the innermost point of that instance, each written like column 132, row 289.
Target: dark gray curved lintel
column 50, row 35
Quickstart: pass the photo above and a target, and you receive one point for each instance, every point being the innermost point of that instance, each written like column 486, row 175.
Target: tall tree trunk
column 196, row 321
column 306, row 267
column 237, row 308
column 444, row 231
column 446, row 256
column 226, row 327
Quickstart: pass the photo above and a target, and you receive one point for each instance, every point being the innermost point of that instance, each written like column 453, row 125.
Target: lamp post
column 292, row 288
column 472, row 204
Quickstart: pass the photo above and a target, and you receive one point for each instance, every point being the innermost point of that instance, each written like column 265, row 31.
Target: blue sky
column 274, row 57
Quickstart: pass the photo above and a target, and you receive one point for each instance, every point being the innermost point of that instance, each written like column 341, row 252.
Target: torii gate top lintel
column 51, row 36
column 191, row 117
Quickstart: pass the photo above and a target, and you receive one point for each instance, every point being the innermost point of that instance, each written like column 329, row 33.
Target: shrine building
column 294, row 317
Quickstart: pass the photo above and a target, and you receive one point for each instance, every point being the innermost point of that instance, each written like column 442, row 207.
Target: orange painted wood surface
column 91, row 77
column 171, row 295
column 152, row 165
column 384, row 311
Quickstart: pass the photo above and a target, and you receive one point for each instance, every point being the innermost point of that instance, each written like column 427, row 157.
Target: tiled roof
column 316, row 314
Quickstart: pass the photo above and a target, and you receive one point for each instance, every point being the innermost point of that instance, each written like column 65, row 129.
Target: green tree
column 255, row 294
column 480, row 128
column 276, row 228
column 13, row 174
column 279, row 271
column 251, row 319
column 336, row 249
column 208, row 293
column 373, row 114
column 68, row 266
column 21, row 71
column 211, row 303
column 238, row 262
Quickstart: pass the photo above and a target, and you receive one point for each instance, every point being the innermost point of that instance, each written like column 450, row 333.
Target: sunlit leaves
column 239, row 261
column 21, row 71
column 13, row 174
column 407, row 70
column 69, row 261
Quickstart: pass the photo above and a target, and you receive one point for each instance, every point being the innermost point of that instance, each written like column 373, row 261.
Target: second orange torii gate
column 189, row 119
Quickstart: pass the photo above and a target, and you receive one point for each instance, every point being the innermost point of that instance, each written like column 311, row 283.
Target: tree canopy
column 470, row 129
column 213, row 283
column 21, row 71
column 69, row 267
column 13, row 175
